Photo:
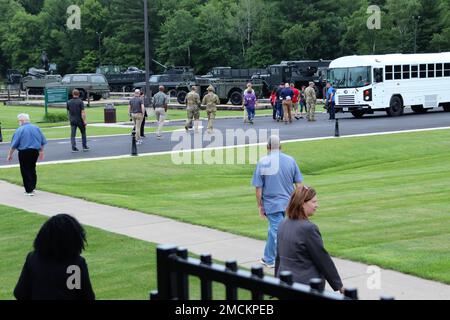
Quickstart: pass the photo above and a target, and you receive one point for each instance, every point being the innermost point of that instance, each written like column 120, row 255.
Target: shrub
column 55, row 117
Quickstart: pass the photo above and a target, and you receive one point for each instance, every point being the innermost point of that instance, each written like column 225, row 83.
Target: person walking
column 77, row 118
column 303, row 102
column 136, row 111
column 273, row 102
column 330, row 100
column 279, row 103
column 211, row 100
column 310, row 96
column 160, row 104
column 30, row 141
column 250, row 104
column 248, row 89
column 286, row 95
column 145, row 102
column 55, row 270
column 274, row 179
column 193, row 109
column 300, row 247
column 295, row 101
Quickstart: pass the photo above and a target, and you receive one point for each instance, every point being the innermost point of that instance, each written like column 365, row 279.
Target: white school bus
column 391, row 82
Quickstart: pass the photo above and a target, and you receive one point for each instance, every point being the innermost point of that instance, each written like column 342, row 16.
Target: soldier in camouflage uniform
column 211, row 100
column 310, row 96
column 192, row 108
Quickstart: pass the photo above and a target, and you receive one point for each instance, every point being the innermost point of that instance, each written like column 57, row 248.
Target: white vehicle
column 391, row 82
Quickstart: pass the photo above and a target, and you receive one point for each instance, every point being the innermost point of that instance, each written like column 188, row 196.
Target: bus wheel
column 358, row 113
column 395, row 107
column 446, row 107
column 418, row 109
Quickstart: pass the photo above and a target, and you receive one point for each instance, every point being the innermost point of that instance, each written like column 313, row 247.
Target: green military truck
column 36, row 79
column 228, row 90
column 89, row 84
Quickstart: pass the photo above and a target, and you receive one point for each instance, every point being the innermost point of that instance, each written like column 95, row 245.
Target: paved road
column 57, row 150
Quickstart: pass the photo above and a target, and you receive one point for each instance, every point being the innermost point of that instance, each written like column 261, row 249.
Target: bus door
column 378, row 94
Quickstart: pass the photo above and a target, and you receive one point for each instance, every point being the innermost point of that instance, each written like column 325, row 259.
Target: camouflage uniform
column 211, row 100
column 310, row 96
column 192, row 108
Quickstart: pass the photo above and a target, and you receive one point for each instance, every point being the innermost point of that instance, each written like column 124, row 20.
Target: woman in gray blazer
column 300, row 246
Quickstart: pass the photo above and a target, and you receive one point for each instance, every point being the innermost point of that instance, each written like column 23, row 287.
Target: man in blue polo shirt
column 30, row 141
column 274, row 179
column 330, row 100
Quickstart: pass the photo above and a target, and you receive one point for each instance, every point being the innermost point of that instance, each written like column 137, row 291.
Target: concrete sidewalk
column 223, row 246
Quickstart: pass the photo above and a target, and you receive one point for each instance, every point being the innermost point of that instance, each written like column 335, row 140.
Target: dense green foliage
column 202, row 34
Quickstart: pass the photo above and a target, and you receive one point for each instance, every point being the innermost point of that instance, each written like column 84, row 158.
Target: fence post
column 133, row 142
column 206, row 285
column 164, row 271
column 257, row 272
column 182, row 278
column 231, row 291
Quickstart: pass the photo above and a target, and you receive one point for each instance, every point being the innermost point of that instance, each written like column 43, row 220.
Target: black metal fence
column 174, row 268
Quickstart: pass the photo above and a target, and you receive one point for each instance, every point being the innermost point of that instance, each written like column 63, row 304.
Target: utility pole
column 147, row 52
column 416, row 21
column 99, row 36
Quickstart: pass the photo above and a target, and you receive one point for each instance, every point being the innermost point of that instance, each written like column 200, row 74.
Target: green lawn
column 64, row 132
column 8, row 115
column 383, row 199
column 119, row 267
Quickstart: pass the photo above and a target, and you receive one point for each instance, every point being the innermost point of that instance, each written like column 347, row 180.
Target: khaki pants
column 192, row 112
column 160, row 114
column 287, row 110
column 137, row 119
column 211, row 116
column 311, row 106
column 295, row 107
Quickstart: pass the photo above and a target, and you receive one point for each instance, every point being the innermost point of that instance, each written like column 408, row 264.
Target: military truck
column 92, row 84
column 299, row 72
column 227, row 89
column 231, row 73
column 172, row 77
column 121, row 80
column 36, row 80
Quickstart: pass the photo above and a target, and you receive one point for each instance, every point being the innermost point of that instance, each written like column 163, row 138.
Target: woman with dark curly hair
column 300, row 246
column 55, row 270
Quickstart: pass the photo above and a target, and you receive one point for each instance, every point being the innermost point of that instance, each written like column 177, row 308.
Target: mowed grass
column 64, row 132
column 383, row 199
column 8, row 115
column 119, row 267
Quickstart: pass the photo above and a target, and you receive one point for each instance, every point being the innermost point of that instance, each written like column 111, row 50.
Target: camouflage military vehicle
column 93, row 84
column 170, row 79
column 120, row 80
column 227, row 89
column 36, row 80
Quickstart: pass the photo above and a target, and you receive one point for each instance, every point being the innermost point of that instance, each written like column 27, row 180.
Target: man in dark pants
column 330, row 100
column 77, row 118
column 30, row 141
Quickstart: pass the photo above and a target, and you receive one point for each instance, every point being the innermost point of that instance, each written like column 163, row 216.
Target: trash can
column 110, row 113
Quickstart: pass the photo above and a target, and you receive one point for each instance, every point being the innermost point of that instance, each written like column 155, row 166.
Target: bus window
column 406, row 71
column 431, row 70
column 438, row 69
column 388, row 72
column 423, row 71
column 446, row 69
column 397, row 72
column 414, row 71
column 378, row 74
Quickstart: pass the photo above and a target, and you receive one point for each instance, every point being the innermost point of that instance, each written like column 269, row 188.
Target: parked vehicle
column 92, row 84
column 121, row 80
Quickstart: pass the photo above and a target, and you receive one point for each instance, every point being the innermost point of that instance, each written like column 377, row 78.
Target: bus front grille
column 346, row 100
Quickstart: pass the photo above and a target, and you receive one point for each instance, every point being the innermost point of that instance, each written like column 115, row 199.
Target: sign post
column 54, row 95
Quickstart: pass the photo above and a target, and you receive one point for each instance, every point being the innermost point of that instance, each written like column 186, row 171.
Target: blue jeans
column 279, row 110
column 270, row 251
column 250, row 113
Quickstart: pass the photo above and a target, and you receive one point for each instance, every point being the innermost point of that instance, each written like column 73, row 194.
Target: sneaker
column 75, row 149
column 29, row 194
column 265, row 264
column 86, row 148
column 139, row 142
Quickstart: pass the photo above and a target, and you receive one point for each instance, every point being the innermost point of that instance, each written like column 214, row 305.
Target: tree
column 178, row 35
